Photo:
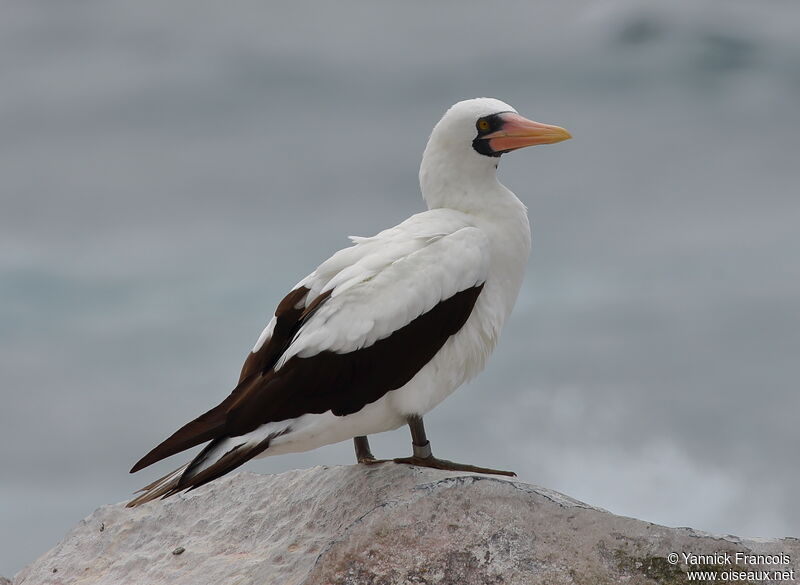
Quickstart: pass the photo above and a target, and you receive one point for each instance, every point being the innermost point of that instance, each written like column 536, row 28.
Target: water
column 169, row 171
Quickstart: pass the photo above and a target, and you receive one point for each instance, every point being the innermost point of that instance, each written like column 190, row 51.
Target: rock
column 383, row 525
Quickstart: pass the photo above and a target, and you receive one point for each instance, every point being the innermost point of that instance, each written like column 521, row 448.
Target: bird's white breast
column 465, row 354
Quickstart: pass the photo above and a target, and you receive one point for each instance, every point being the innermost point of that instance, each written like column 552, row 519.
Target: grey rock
column 382, row 525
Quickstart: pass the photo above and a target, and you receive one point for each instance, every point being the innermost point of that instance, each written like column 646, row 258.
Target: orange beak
column 518, row 132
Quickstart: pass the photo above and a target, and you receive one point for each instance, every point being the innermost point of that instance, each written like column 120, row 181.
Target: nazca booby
column 384, row 330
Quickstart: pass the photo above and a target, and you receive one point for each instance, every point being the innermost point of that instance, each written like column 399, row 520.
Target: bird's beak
column 518, row 132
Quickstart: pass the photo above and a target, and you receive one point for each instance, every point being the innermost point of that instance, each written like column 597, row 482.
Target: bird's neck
column 474, row 189
column 464, row 183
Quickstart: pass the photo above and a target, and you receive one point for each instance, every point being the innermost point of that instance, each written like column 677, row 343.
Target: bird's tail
column 218, row 458
column 160, row 487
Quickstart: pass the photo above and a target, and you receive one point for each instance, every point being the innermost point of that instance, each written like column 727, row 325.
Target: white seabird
column 386, row 329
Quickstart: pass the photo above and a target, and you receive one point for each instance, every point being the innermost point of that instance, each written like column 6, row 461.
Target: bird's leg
column 419, row 440
column 363, row 453
column 423, row 456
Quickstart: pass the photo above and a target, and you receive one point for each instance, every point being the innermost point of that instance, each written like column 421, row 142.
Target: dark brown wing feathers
column 208, row 426
column 340, row 382
column 287, row 318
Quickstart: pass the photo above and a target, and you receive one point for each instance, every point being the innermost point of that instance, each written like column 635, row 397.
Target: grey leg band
column 422, row 451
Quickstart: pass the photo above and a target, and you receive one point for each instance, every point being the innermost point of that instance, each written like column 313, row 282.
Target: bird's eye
column 483, row 125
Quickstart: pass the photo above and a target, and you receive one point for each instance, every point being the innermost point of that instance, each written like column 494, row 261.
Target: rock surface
column 381, row 525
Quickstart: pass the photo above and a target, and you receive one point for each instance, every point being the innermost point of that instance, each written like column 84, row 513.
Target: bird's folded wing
column 374, row 298
column 364, row 323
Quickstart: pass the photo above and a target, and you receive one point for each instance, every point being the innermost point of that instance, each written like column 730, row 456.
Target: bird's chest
column 466, row 352
column 462, row 356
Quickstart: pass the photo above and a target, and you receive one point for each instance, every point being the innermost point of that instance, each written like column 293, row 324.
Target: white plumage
column 474, row 240
column 394, row 278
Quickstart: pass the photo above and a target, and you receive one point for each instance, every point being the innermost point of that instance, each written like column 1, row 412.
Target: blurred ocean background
column 169, row 170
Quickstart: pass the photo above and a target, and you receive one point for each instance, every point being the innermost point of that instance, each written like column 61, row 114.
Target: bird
column 385, row 329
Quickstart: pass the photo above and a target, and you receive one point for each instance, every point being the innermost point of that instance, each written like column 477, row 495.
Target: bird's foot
column 370, row 460
column 363, row 453
column 435, row 463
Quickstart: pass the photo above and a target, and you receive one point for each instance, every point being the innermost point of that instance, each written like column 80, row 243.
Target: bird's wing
column 364, row 323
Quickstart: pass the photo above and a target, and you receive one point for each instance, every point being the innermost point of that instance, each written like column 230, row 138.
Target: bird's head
column 466, row 143
column 491, row 128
